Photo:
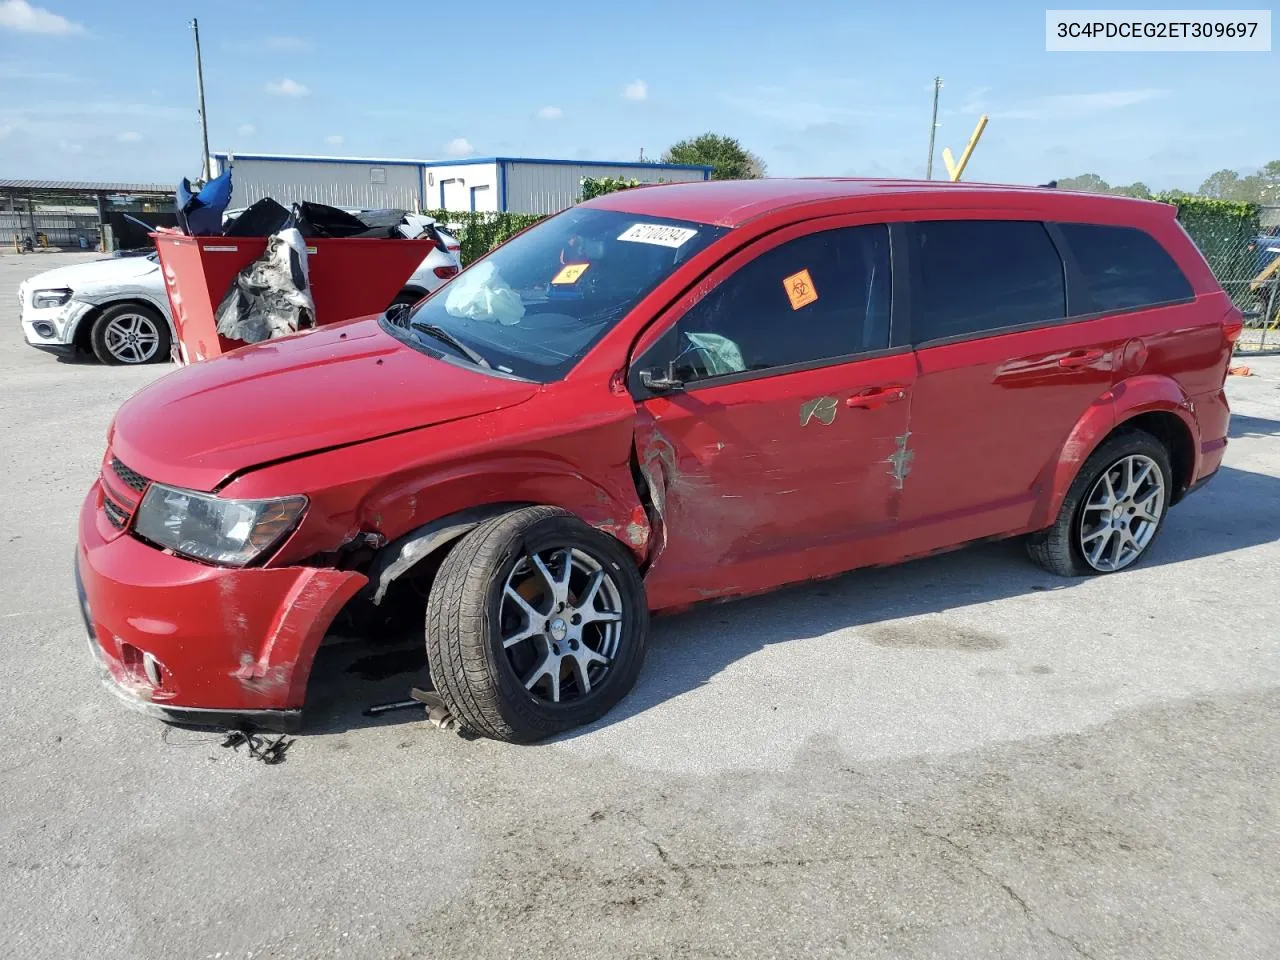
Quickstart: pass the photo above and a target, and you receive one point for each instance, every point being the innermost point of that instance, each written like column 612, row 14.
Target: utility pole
column 206, row 171
column 933, row 127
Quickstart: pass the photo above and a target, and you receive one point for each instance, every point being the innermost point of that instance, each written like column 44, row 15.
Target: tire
column 114, row 328
column 407, row 297
column 508, row 693
column 1061, row 548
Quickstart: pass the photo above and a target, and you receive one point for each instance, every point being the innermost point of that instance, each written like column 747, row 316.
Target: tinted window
column 1124, row 267
column 980, row 275
column 816, row 297
column 536, row 304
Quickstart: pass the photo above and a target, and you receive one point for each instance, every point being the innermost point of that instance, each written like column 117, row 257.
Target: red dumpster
column 349, row 278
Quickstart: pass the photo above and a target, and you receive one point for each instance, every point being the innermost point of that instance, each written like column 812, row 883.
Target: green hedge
column 479, row 232
column 598, row 186
column 1222, row 230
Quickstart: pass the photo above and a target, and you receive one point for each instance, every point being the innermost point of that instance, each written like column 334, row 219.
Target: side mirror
column 667, row 382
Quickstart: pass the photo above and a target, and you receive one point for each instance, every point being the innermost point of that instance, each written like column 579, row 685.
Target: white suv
column 117, row 307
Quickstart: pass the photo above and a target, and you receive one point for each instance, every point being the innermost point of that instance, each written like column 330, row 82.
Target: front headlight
column 204, row 527
column 50, row 298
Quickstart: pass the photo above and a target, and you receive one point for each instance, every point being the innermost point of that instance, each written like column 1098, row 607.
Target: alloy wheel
column 132, row 338
column 561, row 619
column 1122, row 513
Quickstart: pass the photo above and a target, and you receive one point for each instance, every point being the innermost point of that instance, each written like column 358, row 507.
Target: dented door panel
column 773, row 480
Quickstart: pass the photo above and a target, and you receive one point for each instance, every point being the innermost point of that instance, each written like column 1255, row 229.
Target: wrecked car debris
column 200, row 213
column 272, row 296
column 261, row 748
column 438, row 714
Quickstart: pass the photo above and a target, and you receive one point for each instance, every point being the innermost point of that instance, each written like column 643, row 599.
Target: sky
column 105, row 89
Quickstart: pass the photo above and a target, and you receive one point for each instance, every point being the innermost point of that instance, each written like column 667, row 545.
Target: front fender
column 1124, row 401
column 97, row 302
column 608, row 502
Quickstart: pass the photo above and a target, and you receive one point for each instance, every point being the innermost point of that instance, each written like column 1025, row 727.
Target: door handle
column 877, row 397
column 1080, row 358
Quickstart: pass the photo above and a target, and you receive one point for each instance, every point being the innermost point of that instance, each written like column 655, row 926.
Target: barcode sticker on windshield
column 658, row 234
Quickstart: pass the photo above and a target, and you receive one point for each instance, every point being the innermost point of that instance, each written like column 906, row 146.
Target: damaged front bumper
column 192, row 643
column 53, row 329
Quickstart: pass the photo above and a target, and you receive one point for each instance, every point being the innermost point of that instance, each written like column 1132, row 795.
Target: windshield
column 535, row 305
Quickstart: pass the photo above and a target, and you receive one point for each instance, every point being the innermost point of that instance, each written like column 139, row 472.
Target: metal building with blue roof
column 514, row 184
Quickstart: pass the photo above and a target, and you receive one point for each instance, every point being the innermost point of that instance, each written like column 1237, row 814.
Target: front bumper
column 53, row 329
column 192, row 643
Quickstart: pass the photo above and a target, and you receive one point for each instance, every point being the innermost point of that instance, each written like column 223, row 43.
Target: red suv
column 663, row 396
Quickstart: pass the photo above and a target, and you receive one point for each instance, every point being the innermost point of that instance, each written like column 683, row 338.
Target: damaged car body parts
column 659, row 397
column 119, row 309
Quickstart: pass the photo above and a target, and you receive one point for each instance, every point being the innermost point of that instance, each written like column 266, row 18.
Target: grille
column 131, row 478
column 115, row 513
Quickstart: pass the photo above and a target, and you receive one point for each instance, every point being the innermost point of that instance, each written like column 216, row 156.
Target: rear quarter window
column 1124, row 268
column 977, row 276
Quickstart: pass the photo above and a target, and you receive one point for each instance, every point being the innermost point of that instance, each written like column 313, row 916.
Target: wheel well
column 84, row 329
column 410, row 295
column 1169, row 429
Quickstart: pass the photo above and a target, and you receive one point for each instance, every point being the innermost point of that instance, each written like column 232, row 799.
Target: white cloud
column 67, row 147
column 20, row 15
column 5, row 130
column 550, row 113
column 334, row 139
column 1071, row 106
column 636, row 90
column 286, row 44
column 129, row 136
column 287, row 88
column 246, row 130
column 26, row 71
column 459, row 147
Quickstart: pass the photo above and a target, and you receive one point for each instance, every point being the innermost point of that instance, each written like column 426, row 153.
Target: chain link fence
column 1249, row 272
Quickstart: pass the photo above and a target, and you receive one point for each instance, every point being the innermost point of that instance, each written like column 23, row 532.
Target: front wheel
column 1113, row 511
column 130, row 334
column 536, row 624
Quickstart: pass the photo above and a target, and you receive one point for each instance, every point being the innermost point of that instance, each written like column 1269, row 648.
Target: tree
column 1086, row 183
column 1137, row 189
column 725, row 154
column 755, row 166
column 1223, row 185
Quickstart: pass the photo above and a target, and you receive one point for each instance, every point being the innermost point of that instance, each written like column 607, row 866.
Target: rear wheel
column 129, row 334
column 1113, row 511
column 536, row 624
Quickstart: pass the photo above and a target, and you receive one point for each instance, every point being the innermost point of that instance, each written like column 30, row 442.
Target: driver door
column 771, row 409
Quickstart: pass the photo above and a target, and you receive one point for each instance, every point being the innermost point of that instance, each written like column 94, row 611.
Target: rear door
column 1003, row 376
column 772, row 464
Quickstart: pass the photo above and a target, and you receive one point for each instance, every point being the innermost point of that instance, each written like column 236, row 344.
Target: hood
column 84, row 276
column 324, row 388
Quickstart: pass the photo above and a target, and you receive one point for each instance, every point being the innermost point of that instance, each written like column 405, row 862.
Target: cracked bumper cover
column 192, row 643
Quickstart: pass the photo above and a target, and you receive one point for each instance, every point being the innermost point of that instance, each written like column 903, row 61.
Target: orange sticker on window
column 800, row 289
column 570, row 273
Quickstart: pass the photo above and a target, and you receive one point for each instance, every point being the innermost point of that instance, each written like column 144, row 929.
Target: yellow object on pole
column 955, row 170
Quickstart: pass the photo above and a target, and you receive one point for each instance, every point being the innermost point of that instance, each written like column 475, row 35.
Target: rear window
column 1124, row 267
column 975, row 276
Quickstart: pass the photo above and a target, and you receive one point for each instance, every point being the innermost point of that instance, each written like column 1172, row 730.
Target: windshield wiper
column 443, row 335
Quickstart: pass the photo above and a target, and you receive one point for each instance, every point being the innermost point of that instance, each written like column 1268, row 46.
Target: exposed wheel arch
column 409, row 295
column 404, row 553
column 84, row 328
column 1176, row 436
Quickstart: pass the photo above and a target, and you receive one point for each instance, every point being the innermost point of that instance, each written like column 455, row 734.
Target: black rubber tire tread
column 98, row 335
column 1056, row 549
column 469, row 668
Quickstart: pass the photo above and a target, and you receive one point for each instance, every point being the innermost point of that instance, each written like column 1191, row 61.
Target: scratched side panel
column 570, row 446
column 775, row 480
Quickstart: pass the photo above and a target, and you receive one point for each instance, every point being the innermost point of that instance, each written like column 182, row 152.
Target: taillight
column 444, row 273
column 453, row 248
column 1233, row 325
